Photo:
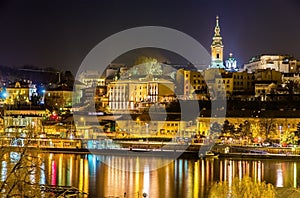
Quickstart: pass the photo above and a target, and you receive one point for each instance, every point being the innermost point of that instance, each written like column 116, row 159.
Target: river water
column 96, row 174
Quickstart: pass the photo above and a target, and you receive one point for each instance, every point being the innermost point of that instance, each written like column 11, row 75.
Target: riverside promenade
column 190, row 151
column 254, row 152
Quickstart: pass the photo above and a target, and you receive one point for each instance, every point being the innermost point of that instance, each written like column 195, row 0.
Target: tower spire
column 217, row 28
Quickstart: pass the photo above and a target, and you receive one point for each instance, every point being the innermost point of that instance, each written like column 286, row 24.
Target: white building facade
column 279, row 63
column 132, row 94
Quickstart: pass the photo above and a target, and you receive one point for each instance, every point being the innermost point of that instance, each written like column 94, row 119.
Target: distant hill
column 33, row 73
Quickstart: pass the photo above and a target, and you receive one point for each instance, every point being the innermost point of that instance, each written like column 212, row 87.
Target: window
column 218, row 56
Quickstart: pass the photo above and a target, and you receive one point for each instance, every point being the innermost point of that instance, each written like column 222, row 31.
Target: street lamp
column 32, row 130
column 147, row 128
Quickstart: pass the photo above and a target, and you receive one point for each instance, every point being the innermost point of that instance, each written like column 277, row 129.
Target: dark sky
column 61, row 33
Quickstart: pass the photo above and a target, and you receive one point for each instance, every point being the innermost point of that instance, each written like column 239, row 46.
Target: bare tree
column 21, row 169
column 228, row 128
column 245, row 130
column 267, row 127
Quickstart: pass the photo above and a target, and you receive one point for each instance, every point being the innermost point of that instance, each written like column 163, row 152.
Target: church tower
column 217, row 48
column 231, row 63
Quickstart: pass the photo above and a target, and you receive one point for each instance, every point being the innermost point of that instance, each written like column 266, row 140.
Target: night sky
column 61, row 33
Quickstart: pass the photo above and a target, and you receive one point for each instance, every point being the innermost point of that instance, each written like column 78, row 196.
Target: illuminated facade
column 191, row 85
column 281, row 124
column 234, row 84
column 24, row 122
column 20, row 92
column 91, row 78
column 240, row 84
column 284, row 64
column 160, row 128
column 261, row 90
column 135, row 94
column 59, row 97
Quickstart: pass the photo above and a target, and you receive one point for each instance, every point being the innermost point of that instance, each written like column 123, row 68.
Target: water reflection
column 68, row 170
column 181, row 178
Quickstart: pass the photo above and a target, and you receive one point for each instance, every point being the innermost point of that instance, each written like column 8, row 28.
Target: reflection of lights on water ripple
column 279, row 174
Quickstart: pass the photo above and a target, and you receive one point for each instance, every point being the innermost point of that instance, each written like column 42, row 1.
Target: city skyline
column 60, row 34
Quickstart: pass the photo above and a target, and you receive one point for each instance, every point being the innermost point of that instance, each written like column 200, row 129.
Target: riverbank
column 126, row 152
column 259, row 156
column 170, row 153
column 179, row 151
column 252, row 152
